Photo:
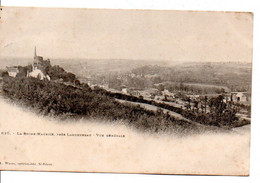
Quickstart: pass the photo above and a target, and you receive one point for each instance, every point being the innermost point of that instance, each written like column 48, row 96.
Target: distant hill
column 234, row 75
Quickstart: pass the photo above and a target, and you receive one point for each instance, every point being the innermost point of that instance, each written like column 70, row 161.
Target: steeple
column 35, row 54
column 35, row 60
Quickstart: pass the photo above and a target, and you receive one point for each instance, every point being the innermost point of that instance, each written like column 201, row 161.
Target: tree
column 161, row 87
column 55, row 72
column 77, row 82
column 22, row 71
column 4, row 74
column 196, row 104
column 206, row 100
column 220, row 112
column 71, row 76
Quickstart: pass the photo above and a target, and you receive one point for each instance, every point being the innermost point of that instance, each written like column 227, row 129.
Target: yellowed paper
column 126, row 91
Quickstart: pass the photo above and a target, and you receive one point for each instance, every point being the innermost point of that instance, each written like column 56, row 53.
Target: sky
column 126, row 34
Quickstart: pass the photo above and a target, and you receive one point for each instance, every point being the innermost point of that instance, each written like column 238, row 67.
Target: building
column 240, row 96
column 167, row 93
column 12, row 71
column 38, row 62
column 124, row 91
column 38, row 67
column 134, row 92
column 37, row 73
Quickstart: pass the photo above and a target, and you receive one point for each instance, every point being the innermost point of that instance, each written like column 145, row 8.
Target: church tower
column 35, row 60
column 35, row 54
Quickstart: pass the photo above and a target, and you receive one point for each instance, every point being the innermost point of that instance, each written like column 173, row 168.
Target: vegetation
column 219, row 74
column 70, row 98
column 62, row 100
column 195, row 78
column 193, row 89
column 57, row 72
column 220, row 113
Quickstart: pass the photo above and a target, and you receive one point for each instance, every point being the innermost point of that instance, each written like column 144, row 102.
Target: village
column 187, row 102
column 198, row 103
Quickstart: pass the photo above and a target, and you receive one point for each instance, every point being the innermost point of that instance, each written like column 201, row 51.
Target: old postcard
column 126, row 91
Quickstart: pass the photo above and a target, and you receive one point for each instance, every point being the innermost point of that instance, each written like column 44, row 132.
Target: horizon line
column 160, row 60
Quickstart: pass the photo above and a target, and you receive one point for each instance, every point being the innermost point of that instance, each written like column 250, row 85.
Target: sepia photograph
column 125, row 91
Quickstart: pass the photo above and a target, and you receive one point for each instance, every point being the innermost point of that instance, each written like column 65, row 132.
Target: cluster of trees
column 215, row 111
column 69, row 101
column 3, row 73
column 56, row 72
column 220, row 113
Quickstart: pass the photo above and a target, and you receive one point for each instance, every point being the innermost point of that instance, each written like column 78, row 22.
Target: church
column 38, row 66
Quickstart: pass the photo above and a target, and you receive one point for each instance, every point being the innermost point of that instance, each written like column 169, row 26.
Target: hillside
column 66, row 101
column 235, row 76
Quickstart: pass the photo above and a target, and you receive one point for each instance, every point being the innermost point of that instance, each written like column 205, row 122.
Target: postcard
column 125, row 91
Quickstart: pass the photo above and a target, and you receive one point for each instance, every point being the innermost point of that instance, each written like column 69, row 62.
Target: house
column 133, row 91
column 124, row 91
column 227, row 98
column 12, row 71
column 166, row 92
column 240, row 96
